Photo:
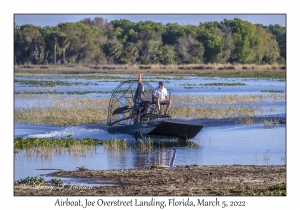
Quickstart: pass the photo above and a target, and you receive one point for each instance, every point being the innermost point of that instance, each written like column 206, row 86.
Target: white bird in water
column 171, row 164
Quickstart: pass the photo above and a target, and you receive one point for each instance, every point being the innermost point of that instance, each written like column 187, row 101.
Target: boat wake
column 79, row 132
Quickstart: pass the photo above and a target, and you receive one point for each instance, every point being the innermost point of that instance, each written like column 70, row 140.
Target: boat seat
column 148, row 97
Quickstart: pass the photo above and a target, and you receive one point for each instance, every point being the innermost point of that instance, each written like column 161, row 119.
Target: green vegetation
column 52, row 143
column 118, row 145
column 148, row 42
column 44, row 147
column 82, row 168
column 115, row 145
column 272, row 91
column 153, row 166
column 223, row 84
column 145, row 145
column 272, row 190
column 56, row 181
column 41, row 83
column 215, row 84
column 39, row 181
column 32, row 181
column 61, row 92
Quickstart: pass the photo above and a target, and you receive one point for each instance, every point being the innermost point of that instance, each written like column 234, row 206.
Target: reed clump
column 145, row 145
column 119, row 145
column 115, row 145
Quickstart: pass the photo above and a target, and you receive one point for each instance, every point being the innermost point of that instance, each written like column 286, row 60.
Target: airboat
column 132, row 110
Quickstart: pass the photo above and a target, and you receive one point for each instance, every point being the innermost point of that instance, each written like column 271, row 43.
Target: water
column 218, row 143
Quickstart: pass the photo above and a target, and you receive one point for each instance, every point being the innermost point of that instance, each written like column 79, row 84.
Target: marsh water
column 220, row 142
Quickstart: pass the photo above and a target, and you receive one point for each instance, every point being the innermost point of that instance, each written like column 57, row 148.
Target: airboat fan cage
column 122, row 102
column 132, row 110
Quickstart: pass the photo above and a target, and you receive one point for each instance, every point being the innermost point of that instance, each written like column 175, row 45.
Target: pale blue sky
column 182, row 19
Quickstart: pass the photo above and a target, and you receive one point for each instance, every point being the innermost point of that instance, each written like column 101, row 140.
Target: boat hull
column 144, row 128
column 180, row 130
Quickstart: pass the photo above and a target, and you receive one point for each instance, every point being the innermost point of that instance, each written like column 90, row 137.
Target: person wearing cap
column 161, row 95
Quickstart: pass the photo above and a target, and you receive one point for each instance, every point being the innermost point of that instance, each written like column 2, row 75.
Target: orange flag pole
column 139, row 77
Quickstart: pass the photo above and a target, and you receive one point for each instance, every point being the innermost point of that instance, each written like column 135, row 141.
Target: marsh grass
column 119, row 145
column 41, row 147
column 116, row 145
column 213, row 112
column 228, row 99
column 145, row 145
column 64, row 110
column 58, row 110
column 192, row 144
column 269, row 124
column 53, row 83
column 223, row 70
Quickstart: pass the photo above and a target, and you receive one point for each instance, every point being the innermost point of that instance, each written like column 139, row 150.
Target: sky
column 182, row 19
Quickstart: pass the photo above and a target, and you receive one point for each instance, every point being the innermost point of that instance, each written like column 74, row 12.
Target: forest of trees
column 98, row 41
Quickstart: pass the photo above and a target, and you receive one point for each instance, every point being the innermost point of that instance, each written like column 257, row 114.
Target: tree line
column 121, row 41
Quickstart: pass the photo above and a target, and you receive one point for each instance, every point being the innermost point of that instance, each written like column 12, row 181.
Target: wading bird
column 171, row 164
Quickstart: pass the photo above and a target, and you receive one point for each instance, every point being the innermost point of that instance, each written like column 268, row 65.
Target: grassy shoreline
column 209, row 70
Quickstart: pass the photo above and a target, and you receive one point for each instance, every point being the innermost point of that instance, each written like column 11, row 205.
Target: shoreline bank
column 159, row 181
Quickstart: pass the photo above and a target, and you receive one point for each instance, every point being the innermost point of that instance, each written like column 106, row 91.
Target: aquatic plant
column 115, row 145
column 82, row 168
column 20, row 143
column 53, row 83
column 146, row 145
column 42, row 147
column 272, row 91
column 268, row 123
column 62, row 92
column 153, row 166
column 222, row 84
column 32, row 181
column 192, row 144
column 56, row 181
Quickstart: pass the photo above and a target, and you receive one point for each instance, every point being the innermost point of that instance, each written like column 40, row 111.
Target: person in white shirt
column 161, row 95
